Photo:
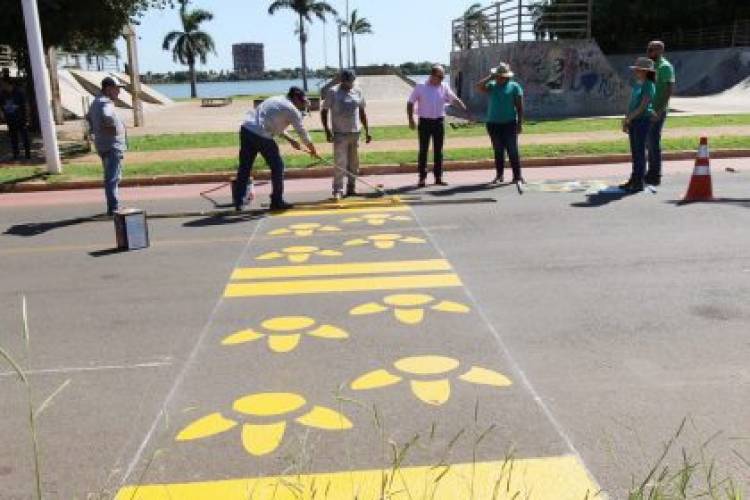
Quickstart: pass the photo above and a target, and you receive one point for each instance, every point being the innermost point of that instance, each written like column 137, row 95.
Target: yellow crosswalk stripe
column 552, row 478
column 347, row 268
column 298, row 287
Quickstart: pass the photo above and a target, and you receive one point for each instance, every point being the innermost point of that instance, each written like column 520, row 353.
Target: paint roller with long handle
column 378, row 188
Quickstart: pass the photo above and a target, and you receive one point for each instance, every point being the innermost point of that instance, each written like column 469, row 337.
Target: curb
column 323, row 172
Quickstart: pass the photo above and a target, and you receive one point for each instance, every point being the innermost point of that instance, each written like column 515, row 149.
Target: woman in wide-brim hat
column 637, row 121
column 504, row 118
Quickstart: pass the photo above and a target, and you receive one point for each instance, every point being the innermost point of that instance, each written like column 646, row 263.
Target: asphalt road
column 547, row 344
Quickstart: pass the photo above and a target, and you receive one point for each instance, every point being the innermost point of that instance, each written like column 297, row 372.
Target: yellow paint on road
column 262, row 438
column 299, row 287
column 436, row 391
column 407, row 308
column 343, row 210
column 550, row 478
column 285, row 332
column 343, row 269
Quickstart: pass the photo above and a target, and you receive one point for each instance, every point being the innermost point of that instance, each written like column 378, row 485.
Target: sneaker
column 626, row 186
column 350, row 192
column 337, row 196
column 519, row 180
column 440, row 182
column 281, row 205
column 497, row 180
column 422, row 183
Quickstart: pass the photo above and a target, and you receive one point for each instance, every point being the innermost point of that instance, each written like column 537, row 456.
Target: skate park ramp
column 91, row 80
column 700, row 72
column 148, row 94
column 381, row 87
column 74, row 98
column 560, row 78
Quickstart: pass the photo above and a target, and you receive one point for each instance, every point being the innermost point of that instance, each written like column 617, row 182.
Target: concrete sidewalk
column 133, row 195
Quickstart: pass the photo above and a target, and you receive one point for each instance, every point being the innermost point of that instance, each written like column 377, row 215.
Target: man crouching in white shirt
column 257, row 134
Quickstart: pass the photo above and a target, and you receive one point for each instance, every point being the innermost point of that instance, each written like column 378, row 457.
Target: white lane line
column 80, row 369
column 187, row 364
column 514, row 365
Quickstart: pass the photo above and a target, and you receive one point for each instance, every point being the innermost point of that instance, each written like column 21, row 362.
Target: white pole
column 41, row 89
column 348, row 38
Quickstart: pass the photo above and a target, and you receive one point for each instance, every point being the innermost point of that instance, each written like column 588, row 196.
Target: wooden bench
column 215, row 102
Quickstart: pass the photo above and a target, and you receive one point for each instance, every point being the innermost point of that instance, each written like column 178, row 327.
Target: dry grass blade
column 45, row 404
column 25, row 322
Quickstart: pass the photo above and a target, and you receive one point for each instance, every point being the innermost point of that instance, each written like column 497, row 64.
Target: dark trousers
column 504, row 137
column 18, row 132
column 638, row 133
column 250, row 146
column 431, row 129
column 654, row 150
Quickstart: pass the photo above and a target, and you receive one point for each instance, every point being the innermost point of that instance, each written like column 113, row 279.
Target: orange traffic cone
column 700, row 188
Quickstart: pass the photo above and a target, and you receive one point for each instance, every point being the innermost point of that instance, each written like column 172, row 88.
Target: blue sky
column 405, row 30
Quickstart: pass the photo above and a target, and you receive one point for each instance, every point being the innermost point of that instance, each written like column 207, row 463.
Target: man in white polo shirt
column 431, row 98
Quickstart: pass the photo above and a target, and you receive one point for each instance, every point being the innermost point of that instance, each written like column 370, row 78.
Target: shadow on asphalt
column 37, row 228
column 739, row 202
column 223, row 219
column 601, row 199
column 469, row 188
column 108, row 251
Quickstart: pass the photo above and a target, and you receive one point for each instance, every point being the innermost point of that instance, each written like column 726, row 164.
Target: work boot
column 281, row 205
column 635, row 187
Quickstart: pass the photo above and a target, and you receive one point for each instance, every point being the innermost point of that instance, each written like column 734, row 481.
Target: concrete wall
column 699, row 72
column 560, row 79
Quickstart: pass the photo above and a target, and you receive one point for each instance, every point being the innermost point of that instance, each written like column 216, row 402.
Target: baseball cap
column 110, row 82
column 348, row 75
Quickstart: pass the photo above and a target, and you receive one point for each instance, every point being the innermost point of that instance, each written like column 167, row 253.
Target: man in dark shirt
column 14, row 110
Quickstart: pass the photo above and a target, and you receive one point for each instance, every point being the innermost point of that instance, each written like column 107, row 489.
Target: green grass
column 230, row 139
column 93, row 171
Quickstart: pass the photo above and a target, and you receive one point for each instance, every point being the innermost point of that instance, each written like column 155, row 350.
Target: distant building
column 248, row 59
column 6, row 59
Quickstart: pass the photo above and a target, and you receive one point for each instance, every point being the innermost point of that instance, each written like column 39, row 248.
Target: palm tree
column 476, row 25
column 305, row 9
column 358, row 26
column 190, row 43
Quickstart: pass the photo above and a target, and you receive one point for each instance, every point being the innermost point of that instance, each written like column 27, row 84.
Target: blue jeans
column 638, row 133
column 112, row 163
column 654, row 149
column 504, row 136
column 250, row 146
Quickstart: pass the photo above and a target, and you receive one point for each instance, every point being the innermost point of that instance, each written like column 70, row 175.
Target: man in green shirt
column 665, row 82
column 504, row 118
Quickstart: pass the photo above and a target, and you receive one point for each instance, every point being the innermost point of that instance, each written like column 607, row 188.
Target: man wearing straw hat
column 665, row 82
column 504, row 118
column 346, row 105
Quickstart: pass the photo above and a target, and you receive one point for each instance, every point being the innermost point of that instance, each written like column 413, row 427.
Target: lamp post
column 348, row 38
column 41, row 88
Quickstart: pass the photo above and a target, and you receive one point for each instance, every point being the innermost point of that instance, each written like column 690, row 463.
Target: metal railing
column 89, row 62
column 509, row 21
column 736, row 34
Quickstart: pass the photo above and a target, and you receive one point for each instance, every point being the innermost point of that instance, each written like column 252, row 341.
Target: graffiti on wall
column 559, row 78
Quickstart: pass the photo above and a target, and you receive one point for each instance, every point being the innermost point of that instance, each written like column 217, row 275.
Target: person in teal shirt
column 665, row 82
column 637, row 121
column 504, row 118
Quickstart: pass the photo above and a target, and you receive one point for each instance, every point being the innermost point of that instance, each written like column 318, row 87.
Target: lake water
column 249, row 87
